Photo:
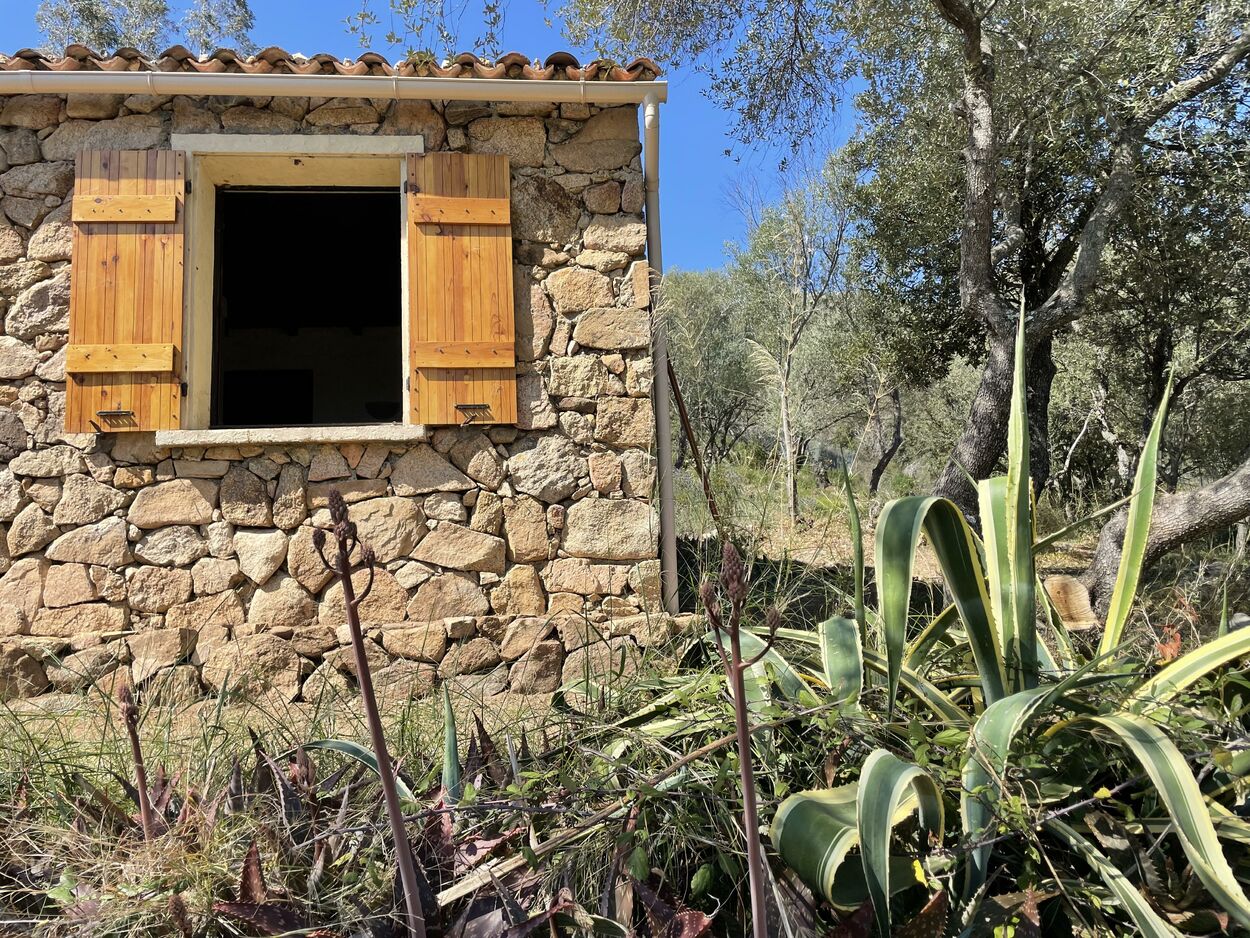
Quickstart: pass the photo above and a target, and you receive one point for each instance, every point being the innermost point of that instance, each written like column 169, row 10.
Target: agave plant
column 1032, row 708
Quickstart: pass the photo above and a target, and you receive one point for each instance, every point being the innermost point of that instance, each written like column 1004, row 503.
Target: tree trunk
column 985, row 434
column 788, row 455
column 984, row 439
column 1041, row 376
column 889, row 452
column 1177, row 519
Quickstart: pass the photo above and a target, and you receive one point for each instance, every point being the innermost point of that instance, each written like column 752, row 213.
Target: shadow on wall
column 809, row 593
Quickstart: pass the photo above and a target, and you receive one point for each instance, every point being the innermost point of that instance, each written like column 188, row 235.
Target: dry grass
column 73, row 859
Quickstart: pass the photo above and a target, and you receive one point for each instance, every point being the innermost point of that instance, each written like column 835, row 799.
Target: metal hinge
column 187, row 186
column 183, row 388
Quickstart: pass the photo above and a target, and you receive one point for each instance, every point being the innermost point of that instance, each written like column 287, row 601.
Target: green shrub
column 1058, row 763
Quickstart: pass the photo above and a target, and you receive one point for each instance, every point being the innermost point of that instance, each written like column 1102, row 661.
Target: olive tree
column 146, row 25
column 790, row 275
column 719, row 379
column 1006, row 142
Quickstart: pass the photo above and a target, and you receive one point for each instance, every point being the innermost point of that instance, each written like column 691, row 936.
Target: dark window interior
column 307, row 307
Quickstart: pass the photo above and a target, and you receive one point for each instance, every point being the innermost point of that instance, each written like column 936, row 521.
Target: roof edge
column 559, row 66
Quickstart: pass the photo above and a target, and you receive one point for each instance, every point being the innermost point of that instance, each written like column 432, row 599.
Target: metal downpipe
column 659, row 345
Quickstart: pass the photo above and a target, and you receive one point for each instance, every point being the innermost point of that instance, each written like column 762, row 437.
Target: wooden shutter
column 125, row 311
column 460, row 327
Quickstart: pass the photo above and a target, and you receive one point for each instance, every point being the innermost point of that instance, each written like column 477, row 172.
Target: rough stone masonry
column 510, row 558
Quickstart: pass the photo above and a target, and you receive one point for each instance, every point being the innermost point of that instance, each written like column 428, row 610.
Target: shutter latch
column 473, row 412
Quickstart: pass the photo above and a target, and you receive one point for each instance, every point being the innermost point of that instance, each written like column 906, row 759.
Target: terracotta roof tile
column 559, row 66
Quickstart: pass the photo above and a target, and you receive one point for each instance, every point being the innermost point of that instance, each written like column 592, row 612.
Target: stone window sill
column 296, row 436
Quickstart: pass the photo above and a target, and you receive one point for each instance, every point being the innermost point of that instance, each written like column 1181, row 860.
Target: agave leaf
column 813, row 831
column 1017, row 630
column 1227, row 825
column 898, row 537
column 451, row 753
column 989, row 748
column 989, row 751
column 1144, row 917
column 857, row 555
column 1136, row 531
column 1187, row 669
column 842, row 658
column 883, row 783
column 1043, row 544
column 922, row 689
column 930, row 635
column 362, row 755
column 919, row 687
column 1063, row 640
column 1179, row 791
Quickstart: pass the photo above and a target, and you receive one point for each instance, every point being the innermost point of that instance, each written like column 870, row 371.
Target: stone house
column 229, row 286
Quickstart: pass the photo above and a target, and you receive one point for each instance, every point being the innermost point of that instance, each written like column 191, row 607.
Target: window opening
column 307, row 307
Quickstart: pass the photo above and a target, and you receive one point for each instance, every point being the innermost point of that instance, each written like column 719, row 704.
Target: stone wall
column 509, row 558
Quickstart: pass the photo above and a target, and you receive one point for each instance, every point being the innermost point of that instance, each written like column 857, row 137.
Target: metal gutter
column 659, row 343
column 30, row 81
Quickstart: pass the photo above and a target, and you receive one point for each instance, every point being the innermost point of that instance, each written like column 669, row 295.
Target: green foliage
column 427, row 28
column 1066, row 76
column 210, row 24
column 108, row 25
column 105, row 25
column 708, row 344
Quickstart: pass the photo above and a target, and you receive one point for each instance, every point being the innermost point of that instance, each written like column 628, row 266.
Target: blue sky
column 696, row 176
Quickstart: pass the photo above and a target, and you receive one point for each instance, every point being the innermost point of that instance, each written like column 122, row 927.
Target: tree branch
column 1182, row 91
column 1176, row 520
column 1013, row 235
column 1064, row 303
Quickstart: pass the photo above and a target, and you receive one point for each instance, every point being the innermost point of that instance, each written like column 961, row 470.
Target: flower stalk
column 728, row 633
column 130, row 716
column 346, row 542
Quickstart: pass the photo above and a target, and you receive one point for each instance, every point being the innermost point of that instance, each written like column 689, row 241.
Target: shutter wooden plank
column 125, row 208
column 467, row 354
column 96, row 359
column 461, row 329
column 432, row 209
column 124, row 354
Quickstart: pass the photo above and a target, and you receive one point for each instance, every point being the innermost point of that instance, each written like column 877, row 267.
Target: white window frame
column 279, row 160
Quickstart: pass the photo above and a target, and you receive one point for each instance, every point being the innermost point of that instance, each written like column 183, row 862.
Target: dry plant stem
column 694, row 451
column 386, row 772
column 750, row 806
column 130, row 716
